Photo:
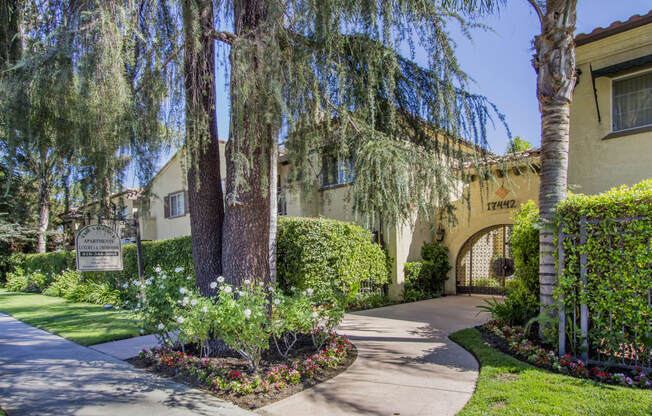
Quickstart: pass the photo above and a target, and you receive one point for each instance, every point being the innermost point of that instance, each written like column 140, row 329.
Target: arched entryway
column 484, row 261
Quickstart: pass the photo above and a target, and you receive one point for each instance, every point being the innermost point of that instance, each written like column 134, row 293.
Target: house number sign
column 496, row 205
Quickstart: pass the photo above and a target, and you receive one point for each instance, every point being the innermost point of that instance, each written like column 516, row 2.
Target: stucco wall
column 171, row 178
column 597, row 164
column 519, row 188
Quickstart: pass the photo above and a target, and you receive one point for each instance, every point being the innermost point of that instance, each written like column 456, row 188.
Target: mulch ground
column 258, row 398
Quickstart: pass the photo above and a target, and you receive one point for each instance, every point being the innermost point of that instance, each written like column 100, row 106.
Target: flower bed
column 512, row 340
column 275, row 380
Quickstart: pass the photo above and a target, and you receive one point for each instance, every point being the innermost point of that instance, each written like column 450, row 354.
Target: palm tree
column 554, row 63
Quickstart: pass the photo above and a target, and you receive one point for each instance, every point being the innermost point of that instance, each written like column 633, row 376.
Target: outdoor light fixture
column 439, row 234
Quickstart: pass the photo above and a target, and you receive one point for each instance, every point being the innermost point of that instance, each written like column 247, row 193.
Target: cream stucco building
column 610, row 145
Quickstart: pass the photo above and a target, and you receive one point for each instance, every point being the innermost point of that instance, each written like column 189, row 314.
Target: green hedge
column 331, row 257
column 168, row 254
column 425, row 279
column 618, row 264
column 325, row 255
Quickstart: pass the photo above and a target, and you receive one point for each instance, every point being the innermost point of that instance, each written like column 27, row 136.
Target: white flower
column 138, row 305
column 303, row 293
column 220, row 279
column 137, row 284
column 124, row 286
column 185, row 300
column 277, row 301
column 161, row 327
column 241, row 293
column 309, row 290
column 188, row 278
column 221, row 287
column 213, row 285
column 204, row 309
column 157, row 269
column 292, row 288
column 228, row 289
column 142, row 332
column 247, row 282
column 148, row 282
column 315, row 314
column 261, row 283
column 164, row 276
column 183, row 290
column 247, row 313
column 193, row 302
column 180, row 319
column 178, row 270
column 116, row 307
column 161, row 286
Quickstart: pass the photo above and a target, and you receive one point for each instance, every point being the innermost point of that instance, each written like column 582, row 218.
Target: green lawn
column 507, row 386
column 83, row 323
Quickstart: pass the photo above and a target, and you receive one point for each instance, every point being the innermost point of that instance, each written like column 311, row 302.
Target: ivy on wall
column 618, row 231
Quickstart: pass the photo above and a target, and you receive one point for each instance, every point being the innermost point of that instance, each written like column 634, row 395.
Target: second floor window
column 177, row 205
column 337, row 172
column 632, row 102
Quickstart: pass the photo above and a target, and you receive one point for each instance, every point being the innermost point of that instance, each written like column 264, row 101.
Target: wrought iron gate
column 484, row 262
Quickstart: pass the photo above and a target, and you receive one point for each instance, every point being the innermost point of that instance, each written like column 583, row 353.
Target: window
column 632, row 102
column 337, row 172
column 177, row 205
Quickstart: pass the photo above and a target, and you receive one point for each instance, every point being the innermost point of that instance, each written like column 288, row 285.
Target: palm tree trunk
column 554, row 63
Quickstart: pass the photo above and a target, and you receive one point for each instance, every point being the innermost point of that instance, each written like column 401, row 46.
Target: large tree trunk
column 249, row 239
column 555, row 66
column 205, row 195
column 11, row 41
column 43, row 176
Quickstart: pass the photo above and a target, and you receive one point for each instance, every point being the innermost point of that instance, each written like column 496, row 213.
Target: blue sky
column 499, row 63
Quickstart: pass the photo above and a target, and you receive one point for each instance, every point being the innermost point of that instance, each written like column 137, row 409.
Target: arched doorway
column 484, row 261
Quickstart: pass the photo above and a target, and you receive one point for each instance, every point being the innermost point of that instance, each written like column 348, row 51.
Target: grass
column 507, row 386
column 83, row 323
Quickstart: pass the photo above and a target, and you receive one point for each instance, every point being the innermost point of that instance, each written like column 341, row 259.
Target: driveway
column 406, row 364
column 43, row 374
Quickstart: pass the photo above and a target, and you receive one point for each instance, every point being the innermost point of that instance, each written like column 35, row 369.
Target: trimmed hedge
column 331, row 257
column 425, row 279
column 168, row 254
column 326, row 255
column 618, row 264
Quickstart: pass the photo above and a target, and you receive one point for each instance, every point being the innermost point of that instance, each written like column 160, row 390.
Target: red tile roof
column 614, row 28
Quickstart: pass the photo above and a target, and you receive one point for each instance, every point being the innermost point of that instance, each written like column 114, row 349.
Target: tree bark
column 554, row 63
column 43, row 200
column 205, row 194
column 249, row 239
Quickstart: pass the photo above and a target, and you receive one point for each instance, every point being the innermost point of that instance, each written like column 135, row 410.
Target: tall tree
column 330, row 76
column 554, row 63
column 201, row 144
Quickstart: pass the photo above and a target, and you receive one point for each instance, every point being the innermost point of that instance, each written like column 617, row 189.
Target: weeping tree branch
column 223, row 36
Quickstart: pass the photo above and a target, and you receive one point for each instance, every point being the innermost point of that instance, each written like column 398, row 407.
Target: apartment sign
column 98, row 249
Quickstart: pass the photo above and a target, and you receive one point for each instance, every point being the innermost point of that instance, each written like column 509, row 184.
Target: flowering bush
column 213, row 376
column 523, row 348
column 291, row 316
column 159, row 298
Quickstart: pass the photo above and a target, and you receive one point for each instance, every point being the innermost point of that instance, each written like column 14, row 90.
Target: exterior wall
column 521, row 189
column 597, row 164
column 171, row 178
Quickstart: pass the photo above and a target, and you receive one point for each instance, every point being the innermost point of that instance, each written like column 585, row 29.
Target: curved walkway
column 43, row 374
column 406, row 364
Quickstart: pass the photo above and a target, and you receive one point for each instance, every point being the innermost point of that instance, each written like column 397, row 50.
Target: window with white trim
column 177, row 205
column 632, row 102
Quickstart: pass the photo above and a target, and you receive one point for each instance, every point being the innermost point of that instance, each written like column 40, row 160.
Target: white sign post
column 98, row 249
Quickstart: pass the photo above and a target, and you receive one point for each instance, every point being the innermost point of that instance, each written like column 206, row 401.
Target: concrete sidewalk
column 126, row 348
column 406, row 364
column 43, row 374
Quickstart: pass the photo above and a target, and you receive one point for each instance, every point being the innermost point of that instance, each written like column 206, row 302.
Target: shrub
column 524, row 243
column 332, row 257
column 159, row 298
column 425, row 279
column 17, row 281
column 71, row 285
column 618, row 262
column 291, row 316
